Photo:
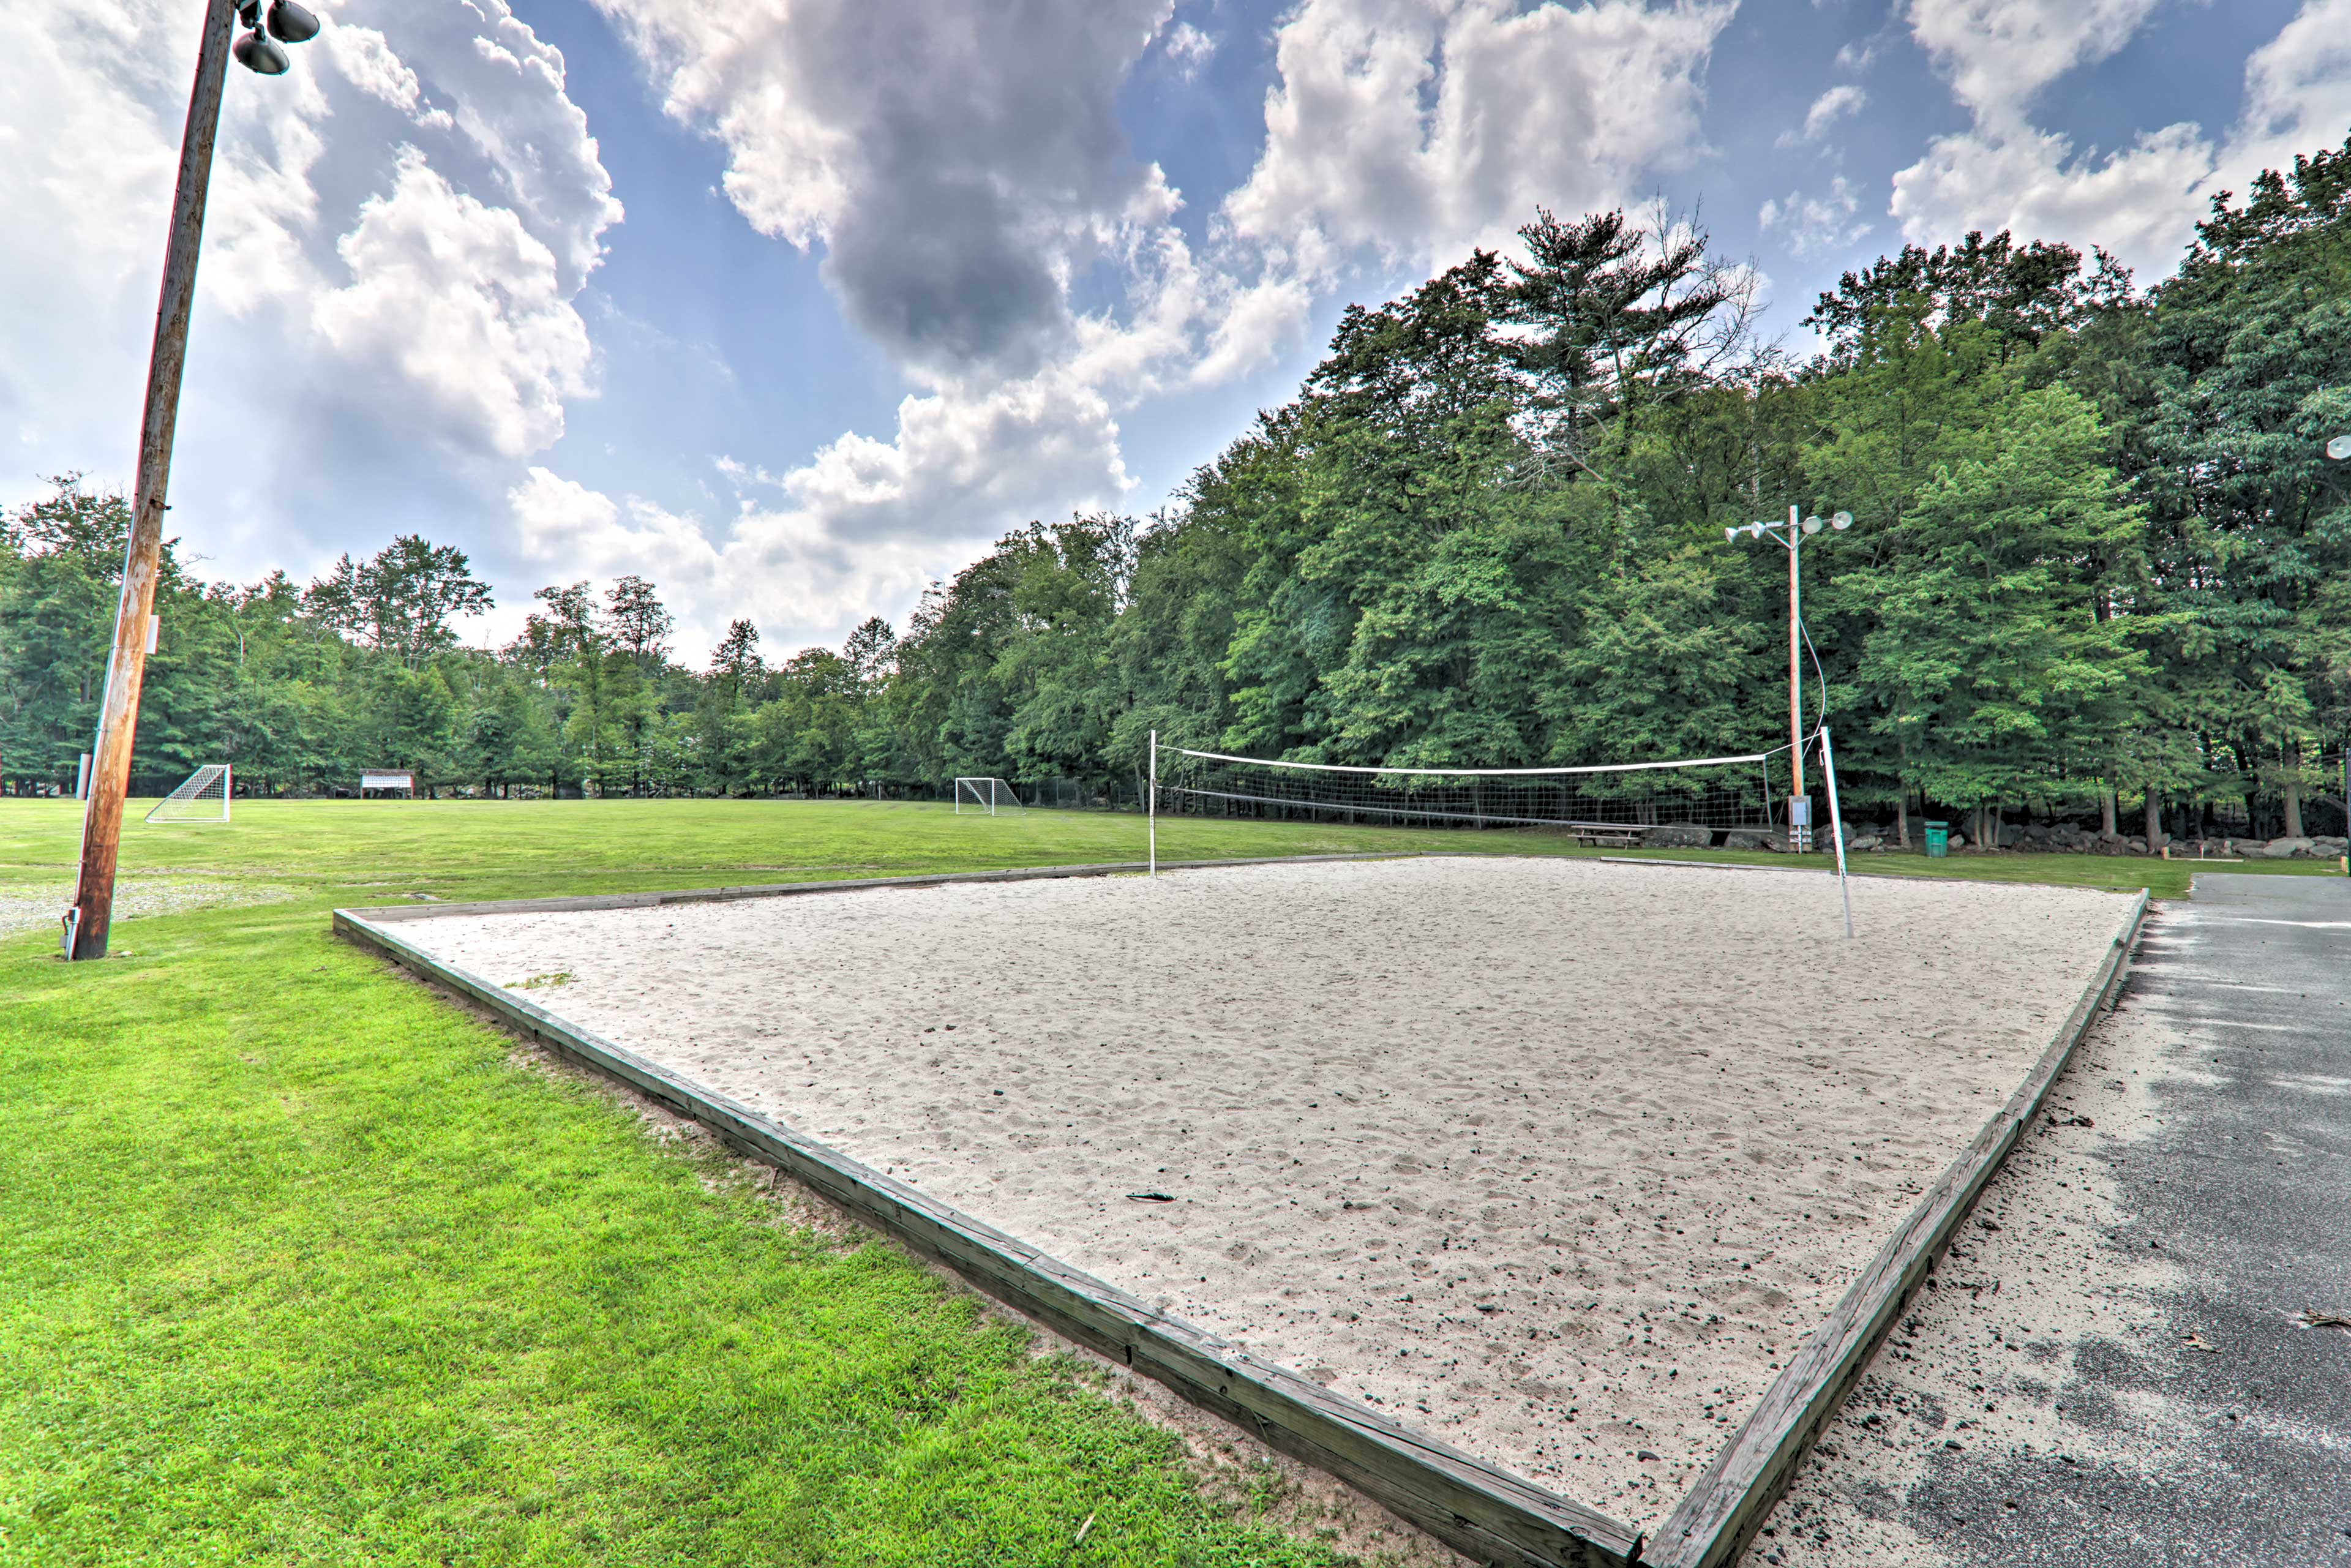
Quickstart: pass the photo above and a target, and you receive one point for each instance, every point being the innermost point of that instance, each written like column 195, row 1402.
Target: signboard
column 379, row 779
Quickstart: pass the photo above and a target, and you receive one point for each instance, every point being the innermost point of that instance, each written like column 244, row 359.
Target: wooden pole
column 101, row 825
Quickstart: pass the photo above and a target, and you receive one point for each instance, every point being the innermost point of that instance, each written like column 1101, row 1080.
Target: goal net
column 203, row 798
column 1704, row 796
column 989, row 795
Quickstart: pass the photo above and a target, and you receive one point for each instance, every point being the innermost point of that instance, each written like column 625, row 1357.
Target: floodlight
column 1811, row 524
column 1842, row 521
column 263, row 57
column 1755, row 531
column 1731, row 535
column 292, row 24
column 2339, row 449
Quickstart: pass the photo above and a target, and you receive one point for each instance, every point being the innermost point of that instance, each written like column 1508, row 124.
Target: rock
column 1868, row 841
column 1959, row 840
column 2136, row 846
column 2011, row 835
column 1750, row 839
column 1678, row 836
column 2288, row 849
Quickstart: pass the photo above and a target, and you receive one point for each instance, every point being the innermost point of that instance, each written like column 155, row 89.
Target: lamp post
column 1791, row 536
column 2334, row 476
column 260, row 49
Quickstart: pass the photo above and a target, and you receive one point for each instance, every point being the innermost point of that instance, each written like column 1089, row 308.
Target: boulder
column 1678, row 836
column 2011, row 835
column 2288, row 848
column 1868, row 841
column 1750, row 839
column 2136, row 846
column 1959, row 840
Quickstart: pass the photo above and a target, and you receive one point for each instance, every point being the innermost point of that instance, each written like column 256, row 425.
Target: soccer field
column 303, row 1263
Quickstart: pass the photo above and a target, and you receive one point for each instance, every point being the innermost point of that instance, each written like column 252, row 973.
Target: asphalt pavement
column 2120, row 1361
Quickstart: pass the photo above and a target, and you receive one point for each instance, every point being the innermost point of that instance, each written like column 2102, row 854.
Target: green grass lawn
column 299, row 1263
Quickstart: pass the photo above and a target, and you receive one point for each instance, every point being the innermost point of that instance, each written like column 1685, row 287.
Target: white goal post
column 203, row 798
column 985, row 795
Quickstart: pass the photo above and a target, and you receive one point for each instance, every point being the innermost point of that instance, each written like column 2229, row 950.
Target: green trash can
column 1939, row 839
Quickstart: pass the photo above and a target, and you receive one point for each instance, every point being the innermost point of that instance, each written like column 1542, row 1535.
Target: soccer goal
column 989, row 795
column 203, row 798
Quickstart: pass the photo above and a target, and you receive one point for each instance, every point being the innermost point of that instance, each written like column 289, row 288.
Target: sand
column 1553, row 1159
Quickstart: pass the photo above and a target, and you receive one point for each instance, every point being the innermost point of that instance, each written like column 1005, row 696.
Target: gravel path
column 28, row 908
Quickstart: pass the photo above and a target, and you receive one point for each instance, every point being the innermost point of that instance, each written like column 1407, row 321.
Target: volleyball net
column 1717, row 793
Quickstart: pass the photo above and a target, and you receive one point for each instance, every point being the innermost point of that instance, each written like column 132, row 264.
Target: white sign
column 378, row 780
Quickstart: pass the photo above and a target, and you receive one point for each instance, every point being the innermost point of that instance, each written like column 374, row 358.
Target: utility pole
column 1799, row 830
column 118, row 721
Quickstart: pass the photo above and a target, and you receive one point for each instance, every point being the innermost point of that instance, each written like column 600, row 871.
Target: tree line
column 2098, row 570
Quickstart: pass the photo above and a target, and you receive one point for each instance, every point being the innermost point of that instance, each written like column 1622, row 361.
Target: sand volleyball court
column 1555, row 1160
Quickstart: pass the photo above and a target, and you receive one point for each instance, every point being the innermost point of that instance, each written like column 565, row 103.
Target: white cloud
column 958, row 172
column 1859, row 54
column 863, row 527
column 2297, row 94
column 1190, row 47
column 1815, row 225
column 2142, row 201
column 458, row 306
column 1831, row 105
column 1998, row 54
column 2139, row 202
column 1418, row 127
column 397, row 232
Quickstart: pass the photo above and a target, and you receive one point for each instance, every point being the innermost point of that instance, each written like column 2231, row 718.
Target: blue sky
column 793, row 308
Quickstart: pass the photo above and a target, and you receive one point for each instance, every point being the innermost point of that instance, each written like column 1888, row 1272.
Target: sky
column 794, row 307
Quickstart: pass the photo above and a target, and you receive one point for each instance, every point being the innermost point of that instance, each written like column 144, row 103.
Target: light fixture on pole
column 1791, row 536
column 259, row 51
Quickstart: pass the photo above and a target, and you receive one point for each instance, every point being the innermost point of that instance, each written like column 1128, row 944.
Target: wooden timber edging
column 1478, row 1509
column 1727, row 1505
column 436, row 910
